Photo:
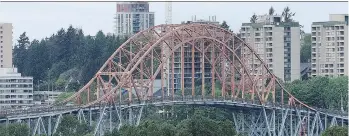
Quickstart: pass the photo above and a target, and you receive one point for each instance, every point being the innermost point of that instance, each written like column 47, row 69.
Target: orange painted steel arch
column 167, row 34
column 111, row 57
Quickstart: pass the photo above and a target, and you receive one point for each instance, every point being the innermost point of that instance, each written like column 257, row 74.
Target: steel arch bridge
column 193, row 64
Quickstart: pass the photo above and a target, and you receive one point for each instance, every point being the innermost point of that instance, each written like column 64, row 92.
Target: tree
column 70, row 126
column 287, row 14
column 61, row 97
column 271, row 11
column 321, row 92
column 302, row 33
column 3, row 131
column 20, row 52
column 18, row 130
column 306, row 49
column 335, row 131
column 225, row 25
column 254, row 18
column 15, row 129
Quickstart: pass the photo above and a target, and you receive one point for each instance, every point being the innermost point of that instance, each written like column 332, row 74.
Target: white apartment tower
column 329, row 55
column 5, row 45
column 132, row 17
column 15, row 90
column 277, row 43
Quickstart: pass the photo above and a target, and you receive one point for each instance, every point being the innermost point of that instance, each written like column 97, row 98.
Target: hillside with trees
column 65, row 54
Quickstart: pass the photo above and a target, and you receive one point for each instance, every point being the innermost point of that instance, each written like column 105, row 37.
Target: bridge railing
column 154, row 99
column 13, row 112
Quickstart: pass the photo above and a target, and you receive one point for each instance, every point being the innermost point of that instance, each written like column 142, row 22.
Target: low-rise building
column 16, row 91
column 45, row 97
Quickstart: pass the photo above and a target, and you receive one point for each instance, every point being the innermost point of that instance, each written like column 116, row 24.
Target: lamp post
column 48, row 79
column 39, row 84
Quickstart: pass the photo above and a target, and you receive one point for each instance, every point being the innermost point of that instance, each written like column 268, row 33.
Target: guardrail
column 135, row 101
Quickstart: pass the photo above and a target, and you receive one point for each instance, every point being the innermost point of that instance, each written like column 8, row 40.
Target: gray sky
column 41, row 20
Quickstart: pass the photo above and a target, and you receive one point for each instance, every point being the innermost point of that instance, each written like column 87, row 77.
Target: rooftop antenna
column 168, row 12
column 168, row 20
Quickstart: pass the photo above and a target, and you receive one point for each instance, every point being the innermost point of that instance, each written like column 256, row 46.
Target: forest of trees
column 321, row 92
column 67, row 53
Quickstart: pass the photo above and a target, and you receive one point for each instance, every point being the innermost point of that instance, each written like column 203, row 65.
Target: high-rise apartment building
column 132, row 17
column 277, row 43
column 329, row 55
column 15, row 90
column 198, row 61
column 5, row 45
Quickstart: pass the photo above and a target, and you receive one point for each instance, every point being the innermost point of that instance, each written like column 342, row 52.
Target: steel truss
column 284, row 122
column 248, row 118
column 102, row 119
column 125, row 83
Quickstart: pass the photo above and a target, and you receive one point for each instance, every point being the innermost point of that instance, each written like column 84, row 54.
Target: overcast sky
column 41, row 20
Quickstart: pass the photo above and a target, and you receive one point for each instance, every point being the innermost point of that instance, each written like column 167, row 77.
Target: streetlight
column 39, row 84
column 48, row 79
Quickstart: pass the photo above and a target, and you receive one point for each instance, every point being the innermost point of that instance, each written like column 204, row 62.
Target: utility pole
column 342, row 109
column 48, row 79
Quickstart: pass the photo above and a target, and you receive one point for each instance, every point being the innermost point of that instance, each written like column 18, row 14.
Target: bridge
column 192, row 64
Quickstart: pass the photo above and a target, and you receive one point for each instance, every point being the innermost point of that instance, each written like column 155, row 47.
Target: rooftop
column 328, row 23
column 10, row 73
column 281, row 24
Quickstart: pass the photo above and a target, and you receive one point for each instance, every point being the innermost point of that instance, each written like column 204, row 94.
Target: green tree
column 202, row 126
column 254, row 18
column 61, row 97
column 321, row 92
column 20, row 52
column 18, row 130
column 128, row 131
column 15, row 129
column 306, row 49
column 3, row 131
column 271, row 10
column 287, row 14
column 335, row 131
column 225, row 25
column 70, row 126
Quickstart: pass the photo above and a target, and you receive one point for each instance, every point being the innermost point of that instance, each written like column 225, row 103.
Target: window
column 287, row 44
column 0, row 32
